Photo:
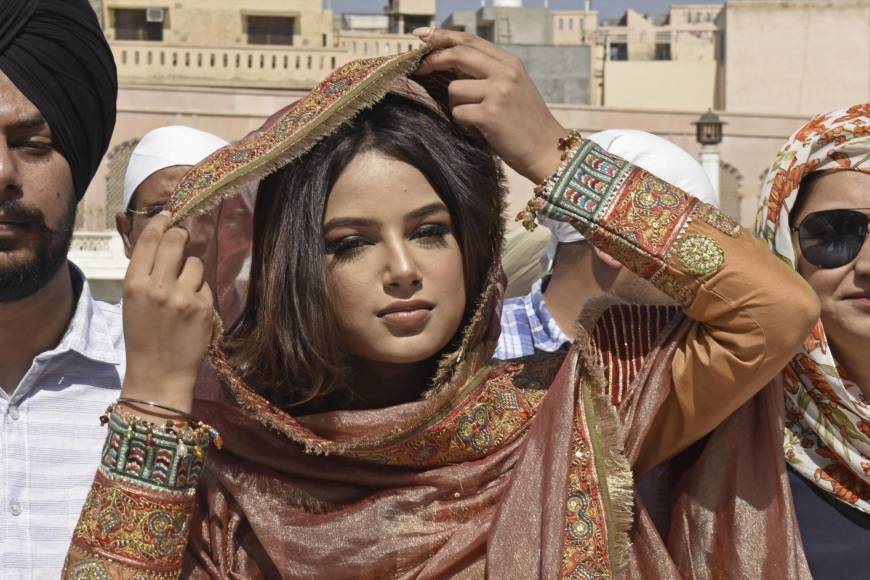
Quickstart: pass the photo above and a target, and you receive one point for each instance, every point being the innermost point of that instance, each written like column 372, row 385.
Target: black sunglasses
column 833, row 237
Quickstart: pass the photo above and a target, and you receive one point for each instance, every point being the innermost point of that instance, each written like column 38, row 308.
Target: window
column 561, row 24
column 619, row 51
column 416, row 21
column 270, row 30
column 663, row 51
column 570, row 24
column 138, row 25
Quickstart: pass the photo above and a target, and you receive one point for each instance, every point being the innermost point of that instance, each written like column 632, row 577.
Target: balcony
column 279, row 67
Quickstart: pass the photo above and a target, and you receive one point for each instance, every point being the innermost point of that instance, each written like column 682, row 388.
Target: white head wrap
column 167, row 147
column 651, row 153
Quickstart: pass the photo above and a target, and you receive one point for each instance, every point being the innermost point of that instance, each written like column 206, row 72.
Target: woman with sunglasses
column 807, row 516
column 818, row 191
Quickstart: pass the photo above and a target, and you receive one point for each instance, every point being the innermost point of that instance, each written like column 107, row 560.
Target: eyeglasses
column 832, row 238
column 149, row 211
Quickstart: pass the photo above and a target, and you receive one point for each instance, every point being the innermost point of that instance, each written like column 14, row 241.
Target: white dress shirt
column 51, row 438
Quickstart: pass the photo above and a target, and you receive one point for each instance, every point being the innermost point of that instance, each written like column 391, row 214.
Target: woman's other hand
column 167, row 317
column 495, row 95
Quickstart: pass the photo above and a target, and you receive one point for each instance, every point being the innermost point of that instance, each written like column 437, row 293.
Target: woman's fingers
column 206, row 298
column 191, row 276
column 170, row 257
column 145, row 250
column 465, row 59
column 470, row 116
column 439, row 38
column 466, row 92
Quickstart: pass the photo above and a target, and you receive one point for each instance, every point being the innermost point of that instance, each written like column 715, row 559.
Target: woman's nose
column 401, row 270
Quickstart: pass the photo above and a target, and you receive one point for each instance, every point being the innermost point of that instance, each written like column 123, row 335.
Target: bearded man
column 61, row 352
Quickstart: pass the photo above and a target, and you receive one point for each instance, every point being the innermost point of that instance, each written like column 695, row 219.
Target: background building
column 224, row 65
column 803, row 57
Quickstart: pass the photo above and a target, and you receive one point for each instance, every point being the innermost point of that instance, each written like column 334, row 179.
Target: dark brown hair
column 284, row 342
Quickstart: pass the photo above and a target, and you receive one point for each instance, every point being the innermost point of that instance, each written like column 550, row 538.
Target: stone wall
column 665, row 85
column 561, row 73
column 801, row 57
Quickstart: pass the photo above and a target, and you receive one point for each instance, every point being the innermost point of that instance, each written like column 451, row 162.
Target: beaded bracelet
column 568, row 145
column 168, row 457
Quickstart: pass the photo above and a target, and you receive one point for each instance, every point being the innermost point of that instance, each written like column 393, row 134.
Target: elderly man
column 61, row 352
column 156, row 166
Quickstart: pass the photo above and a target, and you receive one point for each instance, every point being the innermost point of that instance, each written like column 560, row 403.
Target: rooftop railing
column 278, row 67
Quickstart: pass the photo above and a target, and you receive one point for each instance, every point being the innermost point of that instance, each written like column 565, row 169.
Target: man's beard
column 22, row 278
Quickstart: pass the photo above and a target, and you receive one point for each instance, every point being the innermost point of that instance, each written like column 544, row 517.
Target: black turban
column 55, row 53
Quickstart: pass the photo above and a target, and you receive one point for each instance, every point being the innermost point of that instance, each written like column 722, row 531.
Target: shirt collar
column 88, row 332
column 546, row 334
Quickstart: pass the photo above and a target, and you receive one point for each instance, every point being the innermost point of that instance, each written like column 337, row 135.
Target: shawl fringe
column 617, row 491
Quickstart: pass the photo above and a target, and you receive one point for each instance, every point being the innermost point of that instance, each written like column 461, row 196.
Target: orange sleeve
column 752, row 311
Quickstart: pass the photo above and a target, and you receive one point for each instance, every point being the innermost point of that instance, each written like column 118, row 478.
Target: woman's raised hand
column 495, row 95
column 167, row 317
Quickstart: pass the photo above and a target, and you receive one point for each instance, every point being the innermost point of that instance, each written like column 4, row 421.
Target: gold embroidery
column 143, row 529
column 722, row 222
column 88, row 570
column 700, row 255
column 496, row 414
column 677, row 287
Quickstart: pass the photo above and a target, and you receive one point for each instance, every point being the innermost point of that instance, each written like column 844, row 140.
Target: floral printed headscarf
column 827, row 434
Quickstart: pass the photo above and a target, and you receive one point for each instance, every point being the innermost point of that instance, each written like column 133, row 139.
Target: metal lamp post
column 708, row 132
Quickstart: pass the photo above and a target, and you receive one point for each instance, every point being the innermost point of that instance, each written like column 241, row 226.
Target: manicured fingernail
column 424, row 33
column 166, row 212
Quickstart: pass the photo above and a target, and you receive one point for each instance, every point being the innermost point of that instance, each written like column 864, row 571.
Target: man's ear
column 124, row 225
column 607, row 259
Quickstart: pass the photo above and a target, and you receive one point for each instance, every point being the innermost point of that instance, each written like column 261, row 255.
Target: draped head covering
column 659, row 156
column 55, row 53
column 827, row 434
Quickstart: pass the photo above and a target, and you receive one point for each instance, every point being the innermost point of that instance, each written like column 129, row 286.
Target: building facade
column 224, row 65
column 801, row 57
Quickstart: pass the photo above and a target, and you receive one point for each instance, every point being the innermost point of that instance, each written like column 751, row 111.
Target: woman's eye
column 347, row 247
column 431, row 234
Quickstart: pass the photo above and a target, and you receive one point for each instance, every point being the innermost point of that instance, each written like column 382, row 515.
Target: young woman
column 807, row 516
column 367, row 431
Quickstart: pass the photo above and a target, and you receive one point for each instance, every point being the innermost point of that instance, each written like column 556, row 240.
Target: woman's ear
column 607, row 259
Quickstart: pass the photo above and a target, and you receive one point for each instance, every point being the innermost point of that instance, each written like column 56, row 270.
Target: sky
column 606, row 8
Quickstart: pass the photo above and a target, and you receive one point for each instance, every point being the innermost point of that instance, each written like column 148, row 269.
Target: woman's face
column 394, row 266
column 844, row 292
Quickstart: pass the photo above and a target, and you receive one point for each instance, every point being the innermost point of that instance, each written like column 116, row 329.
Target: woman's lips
column 407, row 319
column 407, row 316
column 860, row 300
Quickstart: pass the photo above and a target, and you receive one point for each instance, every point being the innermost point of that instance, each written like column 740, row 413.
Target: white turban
column 167, row 147
column 651, row 153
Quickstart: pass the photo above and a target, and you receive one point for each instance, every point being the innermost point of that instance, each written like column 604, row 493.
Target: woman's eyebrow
column 426, row 210
column 349, row 222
